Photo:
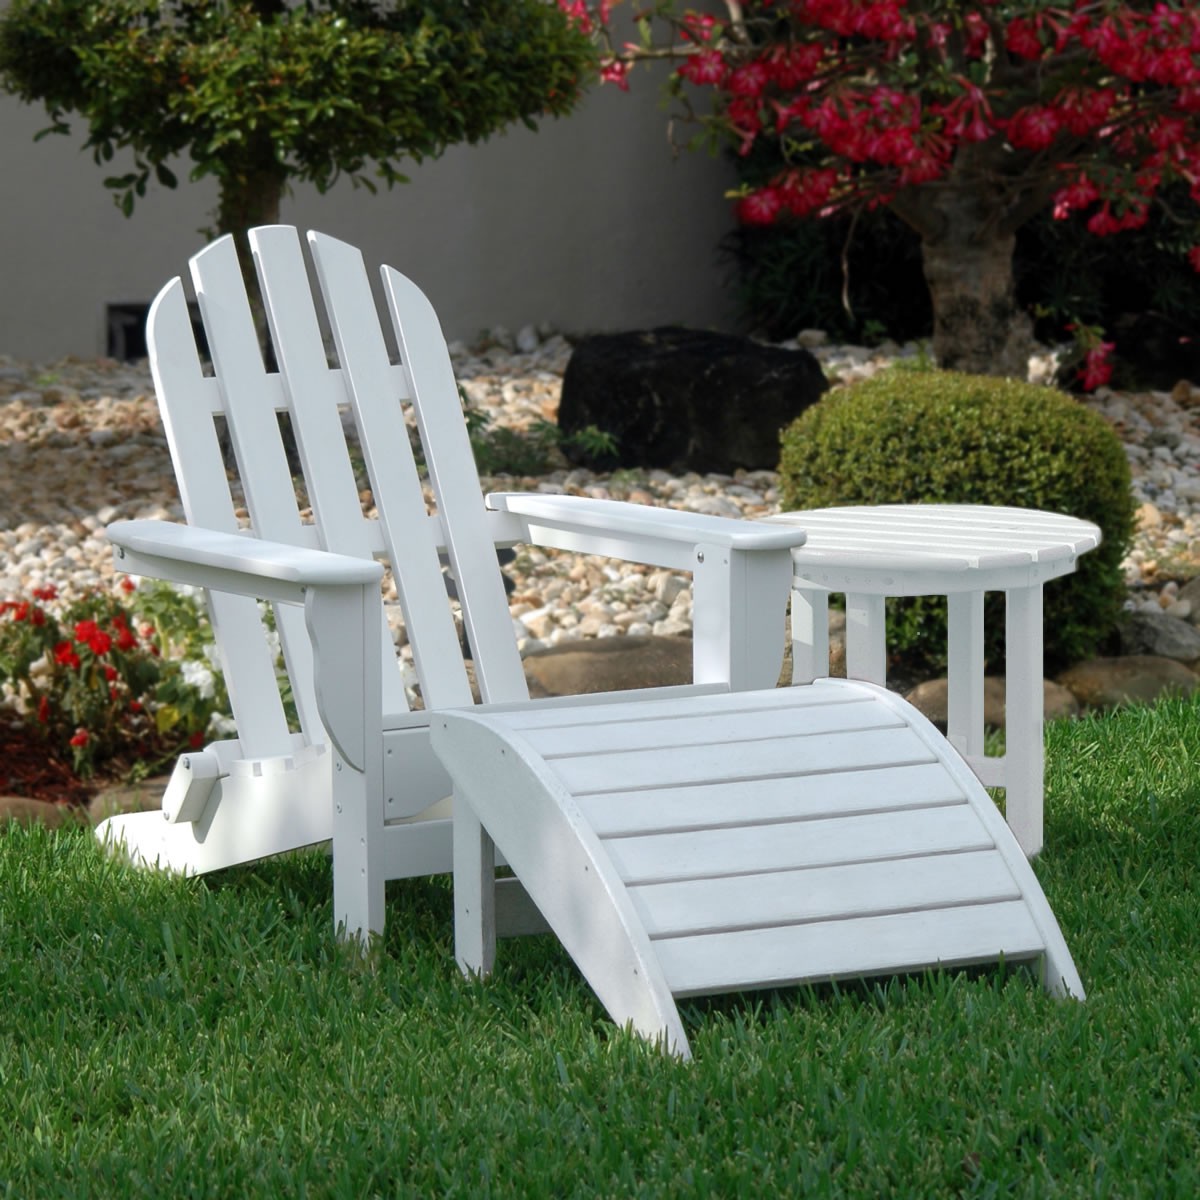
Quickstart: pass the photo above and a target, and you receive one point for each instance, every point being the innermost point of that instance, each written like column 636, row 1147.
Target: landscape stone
column 684, row 399
column 21, row 810
column 931, row 697
column 145, row 796
column 609, row 664
column 1160, row 634
column 1190, row 592
column 1137, row 679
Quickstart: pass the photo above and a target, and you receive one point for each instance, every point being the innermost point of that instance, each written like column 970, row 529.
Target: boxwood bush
column 907, row 436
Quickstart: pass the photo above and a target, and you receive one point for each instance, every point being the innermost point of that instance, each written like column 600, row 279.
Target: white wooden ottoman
column 961, row 552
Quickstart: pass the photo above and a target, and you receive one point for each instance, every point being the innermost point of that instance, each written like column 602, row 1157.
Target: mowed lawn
column 208, row 1037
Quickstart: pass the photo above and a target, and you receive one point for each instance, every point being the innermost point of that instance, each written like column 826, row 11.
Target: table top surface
column 948, row 537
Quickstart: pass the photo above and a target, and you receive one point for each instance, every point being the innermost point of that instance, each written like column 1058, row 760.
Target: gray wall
column 590, row 223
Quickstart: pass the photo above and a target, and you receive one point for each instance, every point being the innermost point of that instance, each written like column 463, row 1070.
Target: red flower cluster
column 89, row 634
column 879, row 95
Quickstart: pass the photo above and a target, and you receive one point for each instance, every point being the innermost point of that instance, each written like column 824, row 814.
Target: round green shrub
column 908, row 436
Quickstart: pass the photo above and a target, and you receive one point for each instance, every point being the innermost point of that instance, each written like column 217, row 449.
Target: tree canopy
column 259, row 93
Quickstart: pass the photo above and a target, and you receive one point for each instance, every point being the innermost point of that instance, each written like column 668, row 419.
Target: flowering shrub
column 964, row 119
column 110, row 676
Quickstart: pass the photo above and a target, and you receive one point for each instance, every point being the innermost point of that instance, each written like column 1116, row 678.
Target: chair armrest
column 340, row 595
column 232, row 562
column 741, row 571
column 662, row 536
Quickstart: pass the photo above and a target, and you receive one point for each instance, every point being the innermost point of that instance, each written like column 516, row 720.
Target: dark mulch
column 27, row 768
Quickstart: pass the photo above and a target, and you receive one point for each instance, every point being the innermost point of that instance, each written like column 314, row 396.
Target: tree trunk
column 250, row 196
column 977, row 326
column 968, row 223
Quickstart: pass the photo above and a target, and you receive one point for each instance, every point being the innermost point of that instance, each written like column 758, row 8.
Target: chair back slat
column 396, row 485
column 185, row 404
column 455, row 482
column 313, row 394
column 257, row 444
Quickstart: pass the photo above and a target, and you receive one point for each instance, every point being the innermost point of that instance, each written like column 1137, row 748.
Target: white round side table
column 961, row 552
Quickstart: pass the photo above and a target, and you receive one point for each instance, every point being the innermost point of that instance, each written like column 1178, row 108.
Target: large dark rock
column 685, row 399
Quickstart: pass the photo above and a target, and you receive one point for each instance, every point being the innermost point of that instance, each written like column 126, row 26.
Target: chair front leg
column 739, row 601
column 810, row 634
column 344, row 624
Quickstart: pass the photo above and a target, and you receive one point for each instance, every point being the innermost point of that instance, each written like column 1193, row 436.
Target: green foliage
column 258, row 92
column 502, row 450
column 944, row 437
column 103, row 680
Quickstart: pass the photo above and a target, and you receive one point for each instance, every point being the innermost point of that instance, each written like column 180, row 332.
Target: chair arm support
column 741, row 571
column 231, row 562
column 341, row 602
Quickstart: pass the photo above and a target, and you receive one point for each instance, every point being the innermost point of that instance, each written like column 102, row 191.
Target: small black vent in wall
column 125, row 331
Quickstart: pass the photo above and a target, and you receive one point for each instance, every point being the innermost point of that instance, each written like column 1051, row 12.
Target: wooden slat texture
column 394, row 481
column 186, row 412
column 599, row 711
column 823, row 893
column 314, row 394
column 905, row 942
column 714, row 763
column 951, row 536
column 452, row 472
column 710, row 853
column 674, row 733
column 258, row 446
column 793, row 797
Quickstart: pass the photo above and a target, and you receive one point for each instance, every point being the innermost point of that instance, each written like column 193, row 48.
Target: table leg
column 1023, row 703
column 964, row 699
column 810, row 635
column 866, row 638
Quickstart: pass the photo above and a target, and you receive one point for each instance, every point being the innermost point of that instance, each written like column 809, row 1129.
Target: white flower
column 198, row 675
column 219, row 726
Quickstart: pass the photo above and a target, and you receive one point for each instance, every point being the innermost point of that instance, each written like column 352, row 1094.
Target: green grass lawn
column 203, row 1038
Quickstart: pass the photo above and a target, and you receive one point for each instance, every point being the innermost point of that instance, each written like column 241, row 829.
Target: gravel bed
column 81, row 445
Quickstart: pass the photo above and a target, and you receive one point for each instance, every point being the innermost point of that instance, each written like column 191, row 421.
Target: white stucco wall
column 590, row 223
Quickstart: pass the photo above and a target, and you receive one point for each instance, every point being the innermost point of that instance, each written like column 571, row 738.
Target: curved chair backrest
column 376, row 391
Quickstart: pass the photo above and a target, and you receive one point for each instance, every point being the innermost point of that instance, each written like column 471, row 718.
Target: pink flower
column 1097, row 369
column 1074, row 196
column 705, row 67
column 1021, row 38
column 750, row 80
column 760, row 207
column 615, row 72
column 1034, row 127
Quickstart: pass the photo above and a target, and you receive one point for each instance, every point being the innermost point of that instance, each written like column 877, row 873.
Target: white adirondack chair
column 722, row 836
